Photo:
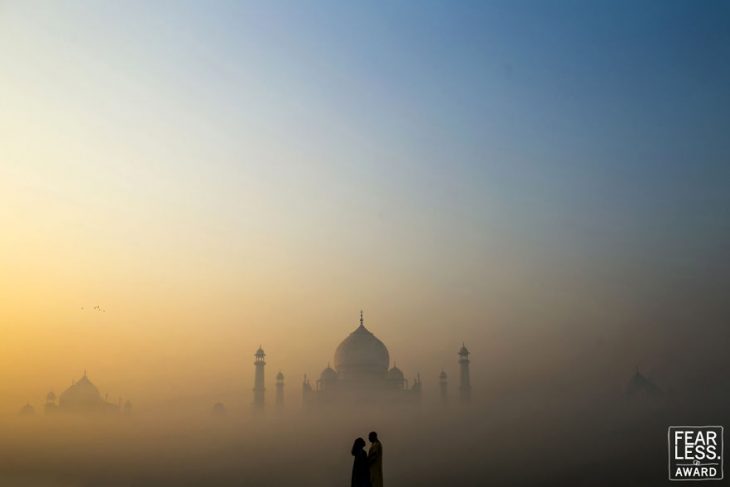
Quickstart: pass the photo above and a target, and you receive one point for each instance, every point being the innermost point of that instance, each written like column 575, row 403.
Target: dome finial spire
column 362, row 321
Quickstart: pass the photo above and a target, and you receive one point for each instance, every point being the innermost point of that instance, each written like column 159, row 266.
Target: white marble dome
column 362, row 352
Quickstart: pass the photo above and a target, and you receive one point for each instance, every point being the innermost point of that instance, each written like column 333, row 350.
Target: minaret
column 306, row 392
column 464, row 385
column 416, row 387
column 258, row 387
column 444, row 387
column 51, row 405
column 279, row 389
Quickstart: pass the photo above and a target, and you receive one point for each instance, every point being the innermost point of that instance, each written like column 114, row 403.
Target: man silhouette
column 375, row 460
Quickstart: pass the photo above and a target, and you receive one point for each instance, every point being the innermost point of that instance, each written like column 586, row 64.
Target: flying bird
column 96, row 308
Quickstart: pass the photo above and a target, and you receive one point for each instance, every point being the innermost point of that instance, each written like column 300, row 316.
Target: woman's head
column 358, row 445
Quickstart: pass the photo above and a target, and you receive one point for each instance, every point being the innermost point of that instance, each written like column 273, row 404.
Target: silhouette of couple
column 367, row 471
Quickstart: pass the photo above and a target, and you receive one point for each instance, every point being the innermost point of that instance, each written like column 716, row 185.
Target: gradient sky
column 219, row 175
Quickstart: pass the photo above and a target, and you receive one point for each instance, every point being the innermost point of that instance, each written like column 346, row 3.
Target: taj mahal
column 362, row 373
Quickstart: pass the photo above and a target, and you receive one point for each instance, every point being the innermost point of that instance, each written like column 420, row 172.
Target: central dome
column 82, row 392
column 361, row 351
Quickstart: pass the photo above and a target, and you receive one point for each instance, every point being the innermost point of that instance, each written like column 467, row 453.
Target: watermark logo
column 695, row 452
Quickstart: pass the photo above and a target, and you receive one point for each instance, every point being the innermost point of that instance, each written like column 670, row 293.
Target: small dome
column 279, row 376
column 260, row 352
column 463, row 350
column 50, row 397
column 328, row 375
column 395, row 374
column 442, row 375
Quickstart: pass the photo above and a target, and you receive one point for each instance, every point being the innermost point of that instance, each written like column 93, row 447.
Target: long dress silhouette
column 375, row 461
column 360, row 467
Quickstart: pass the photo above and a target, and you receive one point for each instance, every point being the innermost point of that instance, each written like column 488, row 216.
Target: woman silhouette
column 360, row 469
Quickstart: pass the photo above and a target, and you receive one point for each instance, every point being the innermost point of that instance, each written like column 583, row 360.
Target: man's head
column 373, row 437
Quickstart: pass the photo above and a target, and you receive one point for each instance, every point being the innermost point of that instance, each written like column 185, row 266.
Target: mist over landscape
column 521, row 428
column 526, row 441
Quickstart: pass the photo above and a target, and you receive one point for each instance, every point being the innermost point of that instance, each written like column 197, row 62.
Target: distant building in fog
column 279, row 389
column 83, row 397
column 27, row 410
column 361, row 373
column 464, row 382
column 443, row 387
column 258, row 387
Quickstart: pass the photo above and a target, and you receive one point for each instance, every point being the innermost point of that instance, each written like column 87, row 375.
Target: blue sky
column 578, row 125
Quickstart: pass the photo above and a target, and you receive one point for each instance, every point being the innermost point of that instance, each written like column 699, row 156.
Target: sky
column 532, row 178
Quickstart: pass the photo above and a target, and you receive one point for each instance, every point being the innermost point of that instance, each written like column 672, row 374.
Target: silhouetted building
column 279, row 389
column 82, row 397
column 306, row 391
column 258, row 388
column 443, row 387
column 464, row 384
column 27, row 410
column 416, row 387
